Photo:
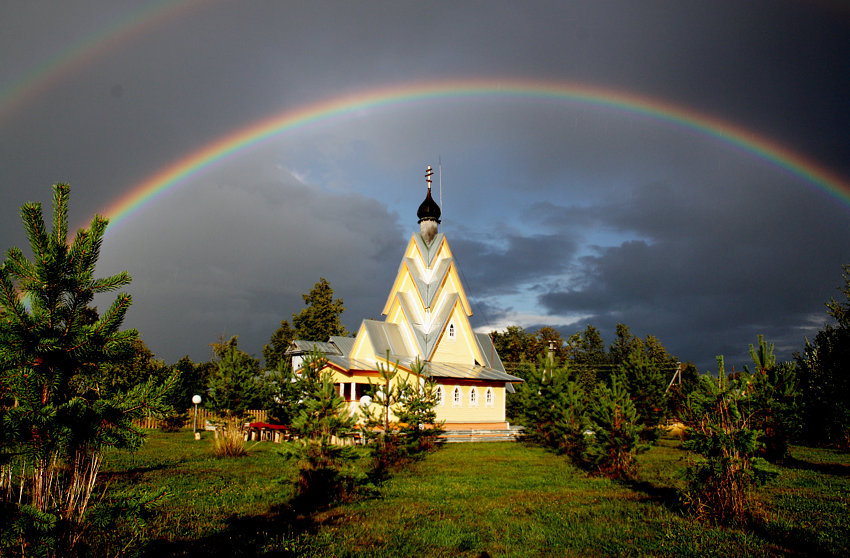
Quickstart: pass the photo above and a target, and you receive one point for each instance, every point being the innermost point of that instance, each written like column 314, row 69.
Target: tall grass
column 229, row 439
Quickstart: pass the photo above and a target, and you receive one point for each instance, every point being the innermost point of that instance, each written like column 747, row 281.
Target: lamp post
column 196, row 399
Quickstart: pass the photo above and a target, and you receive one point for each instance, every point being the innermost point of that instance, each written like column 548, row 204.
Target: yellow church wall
column 449, row 411
column 465, row 412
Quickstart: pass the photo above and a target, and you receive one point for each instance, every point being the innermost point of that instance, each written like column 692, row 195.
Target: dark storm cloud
column 234, row 255
column 507, row 263
column 731, row 267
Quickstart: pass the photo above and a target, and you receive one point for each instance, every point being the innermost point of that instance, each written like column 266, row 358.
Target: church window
column 439, row 395
column 473, row 397
column 451, row 331
column 488, row 397
column 457, row 397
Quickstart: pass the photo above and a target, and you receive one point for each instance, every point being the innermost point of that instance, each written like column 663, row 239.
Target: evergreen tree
column 237, row 384
column 322, row 421
column 320, row 319
column 285, row 394
column 616, row 439
column 553, row 410
column 646, row 384
column 275, row 352
column 774, row 401
column 824, row 377
column 57, row 415
column 587, row 356
column 719, row 429
column 400, row 420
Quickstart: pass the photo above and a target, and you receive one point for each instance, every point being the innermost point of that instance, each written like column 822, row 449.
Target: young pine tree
column 719, row 429
column 400, row 420
column 643, row 378
column 57, row 417
column 553, row 410
column 616, row 432
column 321, row 423
column 773, row 401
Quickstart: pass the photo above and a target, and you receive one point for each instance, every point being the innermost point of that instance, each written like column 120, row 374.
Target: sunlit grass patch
column 503, row 499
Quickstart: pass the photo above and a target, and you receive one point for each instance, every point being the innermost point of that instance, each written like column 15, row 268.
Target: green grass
column 502, row 499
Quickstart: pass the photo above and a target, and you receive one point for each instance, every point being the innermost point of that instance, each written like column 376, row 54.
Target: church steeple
column 429, row 212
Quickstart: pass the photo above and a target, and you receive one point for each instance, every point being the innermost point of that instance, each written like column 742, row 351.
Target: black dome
column 428, row 209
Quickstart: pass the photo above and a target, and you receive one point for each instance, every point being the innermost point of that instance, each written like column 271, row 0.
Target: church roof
column 387, row 336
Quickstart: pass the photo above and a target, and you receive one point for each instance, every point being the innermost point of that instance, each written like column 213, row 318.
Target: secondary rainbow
column 169, row 177
column 76, row 54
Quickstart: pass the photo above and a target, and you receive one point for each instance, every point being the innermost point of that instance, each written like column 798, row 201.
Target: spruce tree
column 57, row 416
column 320, row 319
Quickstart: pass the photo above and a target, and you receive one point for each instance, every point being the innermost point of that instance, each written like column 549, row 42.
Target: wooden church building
column 426, row 317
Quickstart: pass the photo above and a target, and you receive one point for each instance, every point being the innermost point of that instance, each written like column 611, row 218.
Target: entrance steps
column 505, row 434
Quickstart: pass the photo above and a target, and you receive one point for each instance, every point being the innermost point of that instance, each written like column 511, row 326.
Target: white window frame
column 452, row 333
column 473, row 396
column 457, row 397
column 441, row 396
column 489, row 397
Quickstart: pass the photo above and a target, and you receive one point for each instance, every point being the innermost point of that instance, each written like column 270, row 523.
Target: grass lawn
column 502, row 499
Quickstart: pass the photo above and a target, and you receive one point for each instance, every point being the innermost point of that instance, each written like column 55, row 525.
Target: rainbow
column 88, row 48
column 144, row 193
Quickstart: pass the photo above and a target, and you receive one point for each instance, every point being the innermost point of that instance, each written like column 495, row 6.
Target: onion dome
column 428, row 209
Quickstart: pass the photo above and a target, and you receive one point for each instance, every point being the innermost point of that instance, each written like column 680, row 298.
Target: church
column 427, row 318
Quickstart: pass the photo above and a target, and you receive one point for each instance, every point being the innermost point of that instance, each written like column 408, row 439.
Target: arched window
column 488, row 397
column 473, row 397
column 439, row 395
column 451, row 331
column 457, row 397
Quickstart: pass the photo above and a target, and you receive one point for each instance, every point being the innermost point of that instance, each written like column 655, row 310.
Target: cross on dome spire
column 429, row 212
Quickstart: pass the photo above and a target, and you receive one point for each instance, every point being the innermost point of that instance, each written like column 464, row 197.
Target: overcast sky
column 560, row 212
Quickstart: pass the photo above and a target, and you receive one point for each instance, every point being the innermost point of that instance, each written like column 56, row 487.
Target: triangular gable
column 406, row 280
column 362, row 348
column 464, row 347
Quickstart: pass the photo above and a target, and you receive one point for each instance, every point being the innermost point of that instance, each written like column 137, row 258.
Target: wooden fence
column 203, row 416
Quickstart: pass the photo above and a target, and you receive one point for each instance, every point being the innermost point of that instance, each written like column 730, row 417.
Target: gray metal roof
column 464, row 371
column 428, row 250
column 300, row 346
column 344, row 344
